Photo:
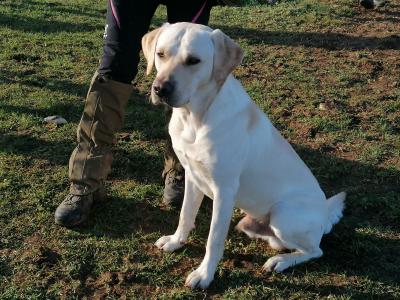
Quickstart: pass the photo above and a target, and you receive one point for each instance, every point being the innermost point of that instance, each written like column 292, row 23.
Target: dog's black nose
column 163, row 89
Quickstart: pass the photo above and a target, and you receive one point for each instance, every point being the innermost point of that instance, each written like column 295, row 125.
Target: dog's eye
column 192, row 61
column 160, row 54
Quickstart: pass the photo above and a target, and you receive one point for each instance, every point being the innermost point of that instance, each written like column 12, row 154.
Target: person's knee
column 119, row 66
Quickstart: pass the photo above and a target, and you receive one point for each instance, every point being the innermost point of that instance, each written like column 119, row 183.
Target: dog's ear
column 149, row 42
column 227, row 55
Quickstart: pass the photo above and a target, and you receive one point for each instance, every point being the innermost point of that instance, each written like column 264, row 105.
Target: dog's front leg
column 221, row 216
column 191, row 203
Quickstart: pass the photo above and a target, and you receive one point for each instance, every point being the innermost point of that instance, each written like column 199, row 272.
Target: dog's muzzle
column 163, row 90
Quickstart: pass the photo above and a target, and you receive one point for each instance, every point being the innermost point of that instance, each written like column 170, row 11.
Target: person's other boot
column 174, row 187
column 173, row 174
column 90, row 162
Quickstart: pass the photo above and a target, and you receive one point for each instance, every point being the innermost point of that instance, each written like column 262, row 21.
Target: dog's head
column 188, row 57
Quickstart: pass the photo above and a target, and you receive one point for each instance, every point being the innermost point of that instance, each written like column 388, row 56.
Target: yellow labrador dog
column 232, row 153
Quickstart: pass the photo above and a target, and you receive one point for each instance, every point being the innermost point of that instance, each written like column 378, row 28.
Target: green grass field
column 301, row 56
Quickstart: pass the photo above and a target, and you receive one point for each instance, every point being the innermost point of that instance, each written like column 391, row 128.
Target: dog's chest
column 196, row 158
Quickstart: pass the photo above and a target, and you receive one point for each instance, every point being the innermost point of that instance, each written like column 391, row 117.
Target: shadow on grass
column 57, row 152
column 130, row 162
column 28, row 5
column 29, row 24
column 276, row 285
column 52, row 9
column 52, row 84
column 347, row 250
column 389, row 14
column 72, row 112
column 394, row 10
column 120, row 218
column 326, row 40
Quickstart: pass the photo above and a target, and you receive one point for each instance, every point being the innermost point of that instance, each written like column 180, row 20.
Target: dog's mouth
column 168, row 101
column 157, row 100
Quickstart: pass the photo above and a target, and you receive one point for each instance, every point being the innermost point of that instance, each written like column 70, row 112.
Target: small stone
column 124, row 136
column 322, row 106
column 58, row 120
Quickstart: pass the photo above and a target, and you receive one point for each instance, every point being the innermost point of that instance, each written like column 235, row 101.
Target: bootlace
column 73, row 199
column 172, row 178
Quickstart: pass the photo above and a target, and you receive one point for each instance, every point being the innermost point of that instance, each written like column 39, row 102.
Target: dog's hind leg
column 259, row 228
column 281, row 262
column 298, row 228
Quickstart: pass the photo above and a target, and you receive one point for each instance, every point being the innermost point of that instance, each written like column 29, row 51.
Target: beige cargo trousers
column 103, row 115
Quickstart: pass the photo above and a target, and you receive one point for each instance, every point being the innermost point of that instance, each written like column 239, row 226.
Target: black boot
column 174, row 187
column 75, row 209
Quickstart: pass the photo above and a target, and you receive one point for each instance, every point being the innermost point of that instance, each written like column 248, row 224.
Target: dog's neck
column 208, row 112
column 212, row 99
column 196, row 110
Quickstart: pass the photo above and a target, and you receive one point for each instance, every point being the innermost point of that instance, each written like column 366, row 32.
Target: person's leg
column 90, row 162
column 197, row 11
column 127, row 23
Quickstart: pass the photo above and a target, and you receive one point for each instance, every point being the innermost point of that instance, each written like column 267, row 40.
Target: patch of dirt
column 37, row 255
column 108, row 283
column 149, row 217
column 6, row 252
column 238, row 263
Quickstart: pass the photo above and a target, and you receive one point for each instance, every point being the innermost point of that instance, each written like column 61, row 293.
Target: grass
column 299, row 54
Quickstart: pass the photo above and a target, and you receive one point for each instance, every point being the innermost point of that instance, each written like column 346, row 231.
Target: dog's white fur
column 233, row 154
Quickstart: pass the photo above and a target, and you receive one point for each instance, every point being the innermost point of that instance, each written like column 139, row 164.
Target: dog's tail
column 335, row 210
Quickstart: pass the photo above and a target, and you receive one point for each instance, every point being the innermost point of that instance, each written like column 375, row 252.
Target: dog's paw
column 277, row 263
column 169, row 243
column 199, row 278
